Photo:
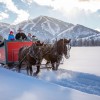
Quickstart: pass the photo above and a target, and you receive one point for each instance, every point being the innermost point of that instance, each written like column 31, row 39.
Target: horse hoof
column 35, row 74
column 53, row 69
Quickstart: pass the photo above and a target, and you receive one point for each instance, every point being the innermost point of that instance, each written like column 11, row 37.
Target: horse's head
column 63, row 47
column 66, row 47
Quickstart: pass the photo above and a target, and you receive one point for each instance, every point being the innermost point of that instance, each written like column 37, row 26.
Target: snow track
column 84, row 82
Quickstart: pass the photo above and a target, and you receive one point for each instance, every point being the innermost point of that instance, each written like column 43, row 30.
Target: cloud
column 83, row 0
column 68, row 5
column 21, row 14
column 27, row 1
column 87, row 0
column 3, row 15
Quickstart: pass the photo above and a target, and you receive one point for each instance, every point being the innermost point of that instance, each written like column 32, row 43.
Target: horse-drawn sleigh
column 17, row 53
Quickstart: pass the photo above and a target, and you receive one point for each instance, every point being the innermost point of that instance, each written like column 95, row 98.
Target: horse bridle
column 68, row 48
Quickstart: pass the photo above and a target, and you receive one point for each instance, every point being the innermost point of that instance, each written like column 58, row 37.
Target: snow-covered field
column 84, row 59
column 78, row 78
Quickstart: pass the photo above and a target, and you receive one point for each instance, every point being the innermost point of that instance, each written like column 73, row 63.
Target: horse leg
column 38, row 70
column 19, row 66
column 57, row 65
column 27, row 69
column 31, row 70
column 53, row 67
column 47, row 65
column 38, row 66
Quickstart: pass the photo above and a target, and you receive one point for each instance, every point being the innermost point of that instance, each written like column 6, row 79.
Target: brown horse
column 54, row 53
column 30, row 56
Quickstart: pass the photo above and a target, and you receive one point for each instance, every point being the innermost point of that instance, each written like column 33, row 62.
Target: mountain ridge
column 48, row 28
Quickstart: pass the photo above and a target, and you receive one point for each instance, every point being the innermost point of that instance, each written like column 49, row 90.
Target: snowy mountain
column 5, row 29
column 47, row 28
column 3, row 25
column 44, row 27
column 78, row 31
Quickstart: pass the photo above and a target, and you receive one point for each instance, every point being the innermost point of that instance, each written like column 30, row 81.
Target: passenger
column 34, row 39
column 11, row 36
column 20, row 35
column 38, row 42
column 29, row 37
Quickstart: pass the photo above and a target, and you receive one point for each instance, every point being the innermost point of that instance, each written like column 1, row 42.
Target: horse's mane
column 58, row 46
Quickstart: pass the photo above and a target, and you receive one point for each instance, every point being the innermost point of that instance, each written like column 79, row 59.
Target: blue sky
column 84, row 12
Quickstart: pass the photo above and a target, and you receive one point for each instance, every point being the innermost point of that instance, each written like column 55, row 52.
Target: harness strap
column 35, row 56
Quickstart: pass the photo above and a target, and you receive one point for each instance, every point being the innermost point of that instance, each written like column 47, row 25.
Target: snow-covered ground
column 84, row 59
column 78, row 78
column 15, row 86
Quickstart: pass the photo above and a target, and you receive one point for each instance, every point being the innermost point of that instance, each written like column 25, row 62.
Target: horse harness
column 34, row 54
column 31, row 53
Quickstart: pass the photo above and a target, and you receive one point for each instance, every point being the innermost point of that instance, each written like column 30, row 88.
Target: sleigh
column 9, row 51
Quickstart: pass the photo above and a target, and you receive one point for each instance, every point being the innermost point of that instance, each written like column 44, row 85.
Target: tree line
column 85, row 42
